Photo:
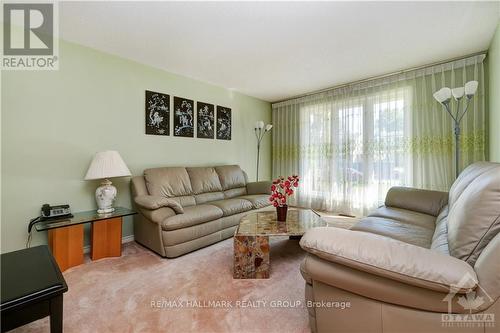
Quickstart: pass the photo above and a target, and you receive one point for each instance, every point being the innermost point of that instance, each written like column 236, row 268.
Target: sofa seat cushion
column 405, row 232
column 257, row 200
column 406, row 216
column 232, row 206
column 193, row 215
column 383, row 257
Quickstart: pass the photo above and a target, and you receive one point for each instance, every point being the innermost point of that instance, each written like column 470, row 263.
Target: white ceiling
column 276, row 50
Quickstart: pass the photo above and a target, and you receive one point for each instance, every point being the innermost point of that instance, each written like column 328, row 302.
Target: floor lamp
column 443, row 96
column 260, row 131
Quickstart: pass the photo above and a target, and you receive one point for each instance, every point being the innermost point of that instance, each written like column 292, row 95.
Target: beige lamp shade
column 443, row 95
column 470, row 88
column 458, row 92
column 107, row 164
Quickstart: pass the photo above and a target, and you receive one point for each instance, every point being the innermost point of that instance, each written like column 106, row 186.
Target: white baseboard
column 126, row 239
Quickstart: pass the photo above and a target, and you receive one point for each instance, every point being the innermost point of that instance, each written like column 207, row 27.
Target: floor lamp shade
column 104, row 165
column 443, row 96
column 260, row 130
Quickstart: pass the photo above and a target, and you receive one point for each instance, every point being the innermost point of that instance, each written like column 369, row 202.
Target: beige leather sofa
column 184, row 209
column 412, row 262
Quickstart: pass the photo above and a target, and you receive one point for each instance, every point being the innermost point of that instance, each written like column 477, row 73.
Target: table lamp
column 105, row 165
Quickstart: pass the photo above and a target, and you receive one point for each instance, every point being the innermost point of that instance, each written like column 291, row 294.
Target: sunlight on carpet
column 142, row 292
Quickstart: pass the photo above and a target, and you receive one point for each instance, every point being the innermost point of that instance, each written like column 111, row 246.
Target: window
column 353, row 150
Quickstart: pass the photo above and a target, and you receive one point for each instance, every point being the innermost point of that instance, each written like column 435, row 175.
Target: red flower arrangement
column 282, row 188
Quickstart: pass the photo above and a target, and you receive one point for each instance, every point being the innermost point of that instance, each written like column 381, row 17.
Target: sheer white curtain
column 350, row 145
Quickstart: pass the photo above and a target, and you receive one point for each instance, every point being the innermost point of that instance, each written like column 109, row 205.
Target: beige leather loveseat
column 412, row 263
column 184, row 209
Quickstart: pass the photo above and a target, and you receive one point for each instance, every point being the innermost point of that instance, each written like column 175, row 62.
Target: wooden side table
column 66, row 244
column 66, row 236
column 106, row 238
column 32, row 288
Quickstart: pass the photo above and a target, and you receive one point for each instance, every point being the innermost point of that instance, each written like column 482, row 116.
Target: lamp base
column 104, row 196
column 105, row 211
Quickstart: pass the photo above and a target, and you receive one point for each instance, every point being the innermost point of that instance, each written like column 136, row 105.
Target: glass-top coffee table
column 251, row 239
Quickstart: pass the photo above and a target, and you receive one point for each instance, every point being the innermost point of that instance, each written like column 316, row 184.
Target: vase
column 281, row 213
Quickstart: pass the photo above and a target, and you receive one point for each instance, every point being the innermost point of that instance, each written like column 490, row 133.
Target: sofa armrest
column 152, row 202
column 158, row 215
column 263, row 187
column 422, row 201
column 390, row 258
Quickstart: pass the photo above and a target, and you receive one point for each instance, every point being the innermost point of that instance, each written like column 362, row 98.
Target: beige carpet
column 116, row 294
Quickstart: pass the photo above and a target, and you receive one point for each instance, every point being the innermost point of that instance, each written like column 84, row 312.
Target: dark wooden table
column 32, row 288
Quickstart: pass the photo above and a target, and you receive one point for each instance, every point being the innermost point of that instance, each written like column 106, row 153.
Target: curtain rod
column 382, row 76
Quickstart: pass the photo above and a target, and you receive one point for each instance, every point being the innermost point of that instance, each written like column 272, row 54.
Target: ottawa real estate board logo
column 30, row 36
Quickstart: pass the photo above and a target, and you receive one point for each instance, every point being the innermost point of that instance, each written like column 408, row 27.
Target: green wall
column 54, row 121
column 494, row 96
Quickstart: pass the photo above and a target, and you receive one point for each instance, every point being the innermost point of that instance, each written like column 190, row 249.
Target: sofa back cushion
column 487, row 268
column 474, row 210
column 235, row 192
column 185, row 200
column 440, row 237
column 204, row 180
column 208, row 197
column 422, row 201
column 231, row 176
column 168, row 182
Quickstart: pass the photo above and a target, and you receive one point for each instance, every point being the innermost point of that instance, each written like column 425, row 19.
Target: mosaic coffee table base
column 251, row 239
column 251, row 257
